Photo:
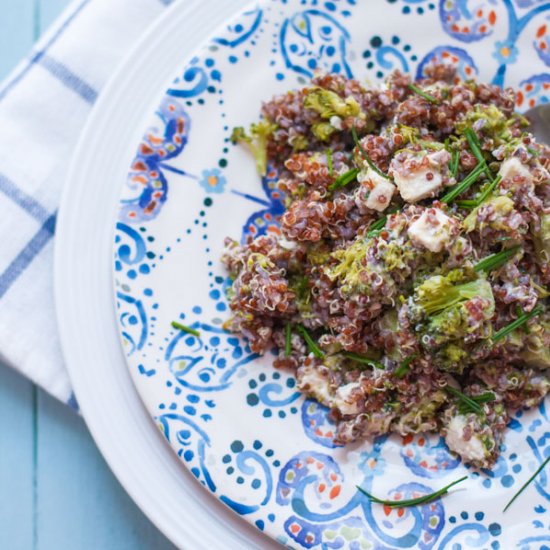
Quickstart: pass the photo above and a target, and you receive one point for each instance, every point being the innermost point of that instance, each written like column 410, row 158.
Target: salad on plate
column 407, row 286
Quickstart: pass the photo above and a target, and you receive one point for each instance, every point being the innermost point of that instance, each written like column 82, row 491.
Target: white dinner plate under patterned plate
column 129, row 440
column 238, row 425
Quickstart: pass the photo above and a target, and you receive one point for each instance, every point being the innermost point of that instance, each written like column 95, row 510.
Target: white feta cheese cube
column 432, row 230
column 314, row 383
column 380, row 190
column 419, row 177
column 472, row 450
column 514, row 167
column 343, row 399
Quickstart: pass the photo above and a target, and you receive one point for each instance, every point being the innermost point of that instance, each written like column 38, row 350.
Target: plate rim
column 70, row 272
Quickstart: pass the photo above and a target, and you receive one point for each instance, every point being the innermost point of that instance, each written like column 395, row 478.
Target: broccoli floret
column 323, row 130
column 501, row 205
column 444, row 304
column 422, row 417
column 329, row 104
column 536, row 352
column 355, row 271
column 452, row 358
column 490, row 121
column 541, row 240
column 256, row 141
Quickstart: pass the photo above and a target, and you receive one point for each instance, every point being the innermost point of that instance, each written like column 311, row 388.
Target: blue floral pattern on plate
column 240, row 426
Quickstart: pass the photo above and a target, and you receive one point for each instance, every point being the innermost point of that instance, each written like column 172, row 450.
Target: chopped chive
column 520, row 321
column 313, row 347
column 377, row 226
column 413, row 501
column 467, row 402
column 344, row 179
column 524, row 486
column 363, row 359
column 475, row 147
column 496, row 260
column 423, row 94
column 184, row 328
column 467, row 182
column 404, row 366
column 288, row 340
column 519, row 313
column 467, row 203
column 488, row 190
column 454, row 162
column 486, row 397
column 329, row 162
column 365, row 155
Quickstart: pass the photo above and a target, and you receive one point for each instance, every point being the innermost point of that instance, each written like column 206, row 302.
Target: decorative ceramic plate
column 240, row 426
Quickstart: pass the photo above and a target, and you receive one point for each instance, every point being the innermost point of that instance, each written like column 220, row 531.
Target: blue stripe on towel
column 68, row 78
column 27, row 255
column 26, row 202
column 24, row 71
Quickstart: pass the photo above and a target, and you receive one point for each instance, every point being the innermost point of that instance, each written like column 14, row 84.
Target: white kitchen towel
column 44, row 104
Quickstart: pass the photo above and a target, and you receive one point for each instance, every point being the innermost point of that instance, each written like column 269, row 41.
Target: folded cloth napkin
column 43, row 107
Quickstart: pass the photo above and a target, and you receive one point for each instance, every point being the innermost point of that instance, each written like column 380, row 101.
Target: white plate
column 238, row 425
column 121, row 427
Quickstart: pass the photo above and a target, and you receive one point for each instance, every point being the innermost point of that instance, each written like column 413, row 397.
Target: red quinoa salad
column 408, row 287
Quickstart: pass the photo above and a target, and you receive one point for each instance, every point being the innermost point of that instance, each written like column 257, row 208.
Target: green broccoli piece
column 536, row 352
column 541, row 239
column 502, row 206
column 423, row 416
column 496, row 124
column 354, row 272
column 256, row 141
column 323, row 130
column 329, row 104
column 442, row 303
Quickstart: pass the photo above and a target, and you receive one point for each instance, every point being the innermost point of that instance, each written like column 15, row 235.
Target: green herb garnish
column 496, row 260
column 363, row 359
column 288, row 340
column 475, row 147
column 404, row 366
column 486, row 397
column 468, row 404
column 413, row 501
column 377, row 226
column 365, row 155
column 329, row 162
column 488, row 190
column 184, row 328
column 423, row 94
column 465, row 184
column 454, row 162
column 524, row 486
column 344, row 179
column 313, row 347
column 520, row 321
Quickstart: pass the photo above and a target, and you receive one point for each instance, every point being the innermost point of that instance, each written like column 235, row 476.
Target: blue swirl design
column 206, row 368
column 312, row 39
column 320, row 477
column 245, row 464
column 129, row 253
column 525, row 544
column 240, row 32
column 266, row 220
column 428, row 457
column 384, row 55
column 481, row 536
column 147, row 187
column 266, row 391
column 193, row 82
column 317, row 424
column 133, row 322
column 179, row 430
column 465, row 22
column 540, row 451
column 534, row 91
column 465, row 65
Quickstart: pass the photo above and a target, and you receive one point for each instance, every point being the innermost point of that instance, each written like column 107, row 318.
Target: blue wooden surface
column 56, row 490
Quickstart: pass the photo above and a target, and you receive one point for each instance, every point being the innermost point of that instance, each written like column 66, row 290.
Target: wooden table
column 56, row 491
